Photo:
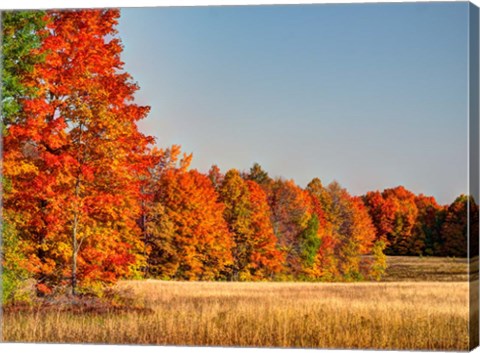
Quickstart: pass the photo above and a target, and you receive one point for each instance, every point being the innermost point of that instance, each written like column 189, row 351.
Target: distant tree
column 170, row 158
column 215, row 176
column 379, row 264
column 326, row 263
column 266, row 260
column 425, row 239
column 382, row 214
column 247, row 215
column 258, row 175
column 455, row 228
column 155, row 226
column 363, row 231
column 310, row 241
column 162, row 258
column 353, row 228
column 291, row 213
column 316, row 188
column 474, row 233
column 394, row 214
column 194, row 242
column 237, row 213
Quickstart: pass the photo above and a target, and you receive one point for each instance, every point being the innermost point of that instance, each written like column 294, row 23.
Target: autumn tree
column 321, row 194
column 74, row 156
column 15, row 267
column 404, row 221
column 326, row 262
column 157, row 230
column 454, row 231
column 248, row 217
column 22, row 34
column 309, row 241
column 158, row 161
column 258, row 175
column 426, row 239
column 266, row 260
column 235, row 196
column 394, row 214
column 363, row 231
column 215, row 176
column 474, row 231
column 291, row 216
column 353, row 228
column 87, row 201
column 190, row 238
column 159, row 246
column 21, row 37
column 379, row 263
column 170, row 158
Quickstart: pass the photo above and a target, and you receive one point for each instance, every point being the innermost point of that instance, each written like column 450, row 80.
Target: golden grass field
column 389, row 315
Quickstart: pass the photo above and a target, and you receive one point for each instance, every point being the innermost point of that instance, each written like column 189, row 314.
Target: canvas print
column 295, row 176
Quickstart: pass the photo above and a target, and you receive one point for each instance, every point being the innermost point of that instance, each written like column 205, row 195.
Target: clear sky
column 370, row 95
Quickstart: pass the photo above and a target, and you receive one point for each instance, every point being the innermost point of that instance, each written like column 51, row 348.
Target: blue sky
column 370, row 95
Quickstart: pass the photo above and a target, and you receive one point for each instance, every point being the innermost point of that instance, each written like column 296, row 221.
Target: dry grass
column 394, row 315
column 423, row 304
column 419, row 269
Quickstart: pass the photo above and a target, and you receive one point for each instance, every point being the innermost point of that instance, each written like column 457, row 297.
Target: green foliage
column 309, row 241
column 258, row 175
column 20, row 36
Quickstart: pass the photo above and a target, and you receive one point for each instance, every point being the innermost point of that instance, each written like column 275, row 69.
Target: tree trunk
column 75, row 241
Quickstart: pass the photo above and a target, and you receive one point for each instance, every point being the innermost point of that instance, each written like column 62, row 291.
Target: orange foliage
column 265, row 259
column 74, row 154
column 394, row 213
column 87, row 192
column 291, row 212
column 200, row 243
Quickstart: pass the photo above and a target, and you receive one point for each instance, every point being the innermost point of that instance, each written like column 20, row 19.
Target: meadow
column 396, row 314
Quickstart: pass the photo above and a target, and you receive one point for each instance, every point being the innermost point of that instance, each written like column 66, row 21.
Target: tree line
column 88, row 199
